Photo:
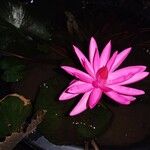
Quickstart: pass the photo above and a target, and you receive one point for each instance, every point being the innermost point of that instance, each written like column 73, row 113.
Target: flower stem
column 95, row 146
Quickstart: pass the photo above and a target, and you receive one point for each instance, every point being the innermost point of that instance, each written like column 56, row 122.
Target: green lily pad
column 13, row 70
column 95, row 124
column 58, row 126
column 14, row 110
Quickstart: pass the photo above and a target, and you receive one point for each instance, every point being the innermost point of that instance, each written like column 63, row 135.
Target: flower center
column 101, row 77
column 102, row 74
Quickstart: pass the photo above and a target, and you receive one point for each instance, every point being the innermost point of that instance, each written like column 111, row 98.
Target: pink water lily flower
column 102, row 77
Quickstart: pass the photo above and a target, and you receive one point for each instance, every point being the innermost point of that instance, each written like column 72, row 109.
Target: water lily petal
column 102, row 77
column 94, row 97
column 120, row 58
column 92, row 49
column 79, row 87
column 127, row 90
column 66, row 96
column 105, row 54
column 119, row 98
column 84, row 62
column 81, row 105
column 78, row 74
column 119, row 79
column 112, row 60
column 75, row 82
column 96, row 61
column 126, row 71
column 135, row 78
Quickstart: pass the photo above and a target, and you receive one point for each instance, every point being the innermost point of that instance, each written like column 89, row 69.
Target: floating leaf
column 14, row 110
column 13, row 70
column 21, row 19
column 11, row 141
column 93, row 123
column 58, row 126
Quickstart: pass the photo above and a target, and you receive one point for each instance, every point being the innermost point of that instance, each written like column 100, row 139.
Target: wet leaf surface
column 58, row 126
column 14, row 110
column 13, row 70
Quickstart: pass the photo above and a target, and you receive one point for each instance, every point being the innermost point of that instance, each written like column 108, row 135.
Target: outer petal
column 105, row 54
column 119, row 80
column 84, row 62
column 126, row 71
column 81, row 106
column 94, row 97
column 122, row 99
column 96, row 61
column 92, row 49
column 79, row 87
column 127, row 90
column 66, row 96
column 78, row 74
column 112, row 60
column 135, row 78
column 120, row 58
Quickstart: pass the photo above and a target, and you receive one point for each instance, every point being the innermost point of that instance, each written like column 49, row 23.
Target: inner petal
column 102, row 73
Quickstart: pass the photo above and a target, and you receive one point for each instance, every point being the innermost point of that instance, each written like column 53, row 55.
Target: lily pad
column 13, row 70
column 14, row 110
column 93, row 122
column 58, row 126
